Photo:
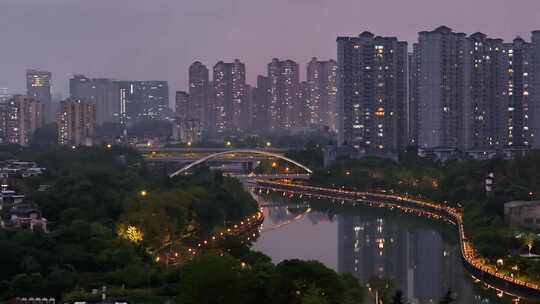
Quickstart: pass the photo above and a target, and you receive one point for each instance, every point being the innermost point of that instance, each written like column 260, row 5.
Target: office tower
column 20, row 116
column 440, row 56
column 199, row 107
column 230, row 95
column 38, row 86
column 182, row 105
column 141, row 100
column 372, row 92
column 535, row 101
column 284, row 80
column 104, row 93
column 261, row 101
column 76, row 122
column 322, row 108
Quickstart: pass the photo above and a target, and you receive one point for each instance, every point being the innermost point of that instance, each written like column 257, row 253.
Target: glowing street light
column 144, row 193
column 274, row 164
column 268, row 144
column 109, row 146
column 189, row 144
column 228, row 143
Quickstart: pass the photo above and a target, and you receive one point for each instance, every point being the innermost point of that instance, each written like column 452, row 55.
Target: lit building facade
column 322, row 80
column 199, row 103
column 76, row 122
column 140, row 100
column 20, row 116
column 372, row 92
column 38, row 86
column 230, row 95
column 284, row 81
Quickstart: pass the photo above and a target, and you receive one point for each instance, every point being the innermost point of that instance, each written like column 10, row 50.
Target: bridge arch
column 265, row 153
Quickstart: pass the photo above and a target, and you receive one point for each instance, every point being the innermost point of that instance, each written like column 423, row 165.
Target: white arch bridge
column 239, row 151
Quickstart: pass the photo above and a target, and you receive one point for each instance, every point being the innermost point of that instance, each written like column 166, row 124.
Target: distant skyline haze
column 159, row 39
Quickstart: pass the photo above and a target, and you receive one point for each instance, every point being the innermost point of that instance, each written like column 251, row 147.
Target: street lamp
column 228, row 143
column 144, row 193
column 268, row 144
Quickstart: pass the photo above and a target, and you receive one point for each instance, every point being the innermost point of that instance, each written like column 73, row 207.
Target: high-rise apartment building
column 322, row 107
column 440, row 57
column 372, row 92
column 472, row 93
column 261, row 101
column 284, row 80
column 302, row 110
column 104, row 93
column 230, row 95
column 20, row 116
column 483, row 64
column 535, row 92
column 199, row 106
column 76, row 122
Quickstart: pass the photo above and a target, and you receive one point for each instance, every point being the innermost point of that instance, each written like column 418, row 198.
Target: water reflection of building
column 418, row 261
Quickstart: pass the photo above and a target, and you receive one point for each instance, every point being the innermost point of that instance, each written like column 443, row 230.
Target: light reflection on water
column 419, row 260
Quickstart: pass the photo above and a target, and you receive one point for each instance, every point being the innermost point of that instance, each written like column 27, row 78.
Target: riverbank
column 417, row 207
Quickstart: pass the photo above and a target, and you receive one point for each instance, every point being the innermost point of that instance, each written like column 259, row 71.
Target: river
column 420, row 257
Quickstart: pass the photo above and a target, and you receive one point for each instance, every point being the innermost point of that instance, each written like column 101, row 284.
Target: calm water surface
column 420, row 257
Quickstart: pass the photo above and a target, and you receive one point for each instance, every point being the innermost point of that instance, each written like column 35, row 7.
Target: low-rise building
column 522, row 214
column 26, row 216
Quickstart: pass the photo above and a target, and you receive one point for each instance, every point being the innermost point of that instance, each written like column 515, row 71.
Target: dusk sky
column 159, row 39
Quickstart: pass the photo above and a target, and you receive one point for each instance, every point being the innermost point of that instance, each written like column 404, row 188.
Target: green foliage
column 261, row 282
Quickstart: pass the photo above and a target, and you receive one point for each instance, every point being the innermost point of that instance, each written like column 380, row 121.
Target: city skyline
column 96, row 50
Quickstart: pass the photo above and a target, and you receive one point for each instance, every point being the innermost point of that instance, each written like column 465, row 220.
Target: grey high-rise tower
column 199, row 107
column 230, row 95
column 103, row 93
column 441, row 83
column 38, row 87
column 372, row 92
column 322, row 107
column 284, row 80
column 535, row 100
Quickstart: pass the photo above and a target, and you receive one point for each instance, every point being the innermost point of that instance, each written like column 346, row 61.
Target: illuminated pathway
column 408, row 205
column 174, row 253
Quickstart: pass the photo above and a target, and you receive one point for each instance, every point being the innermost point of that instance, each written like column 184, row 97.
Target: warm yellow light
column 189, row 144
column 274, row 164
column 144, row 193
column 228, row 143
column 131, row 233
column 109, row 146
column 268, row 144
